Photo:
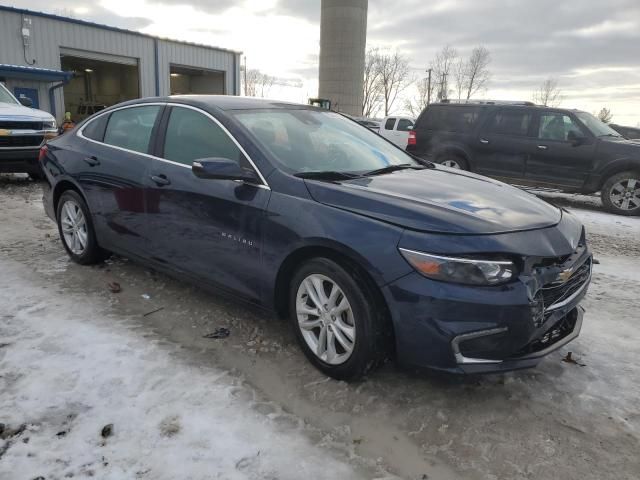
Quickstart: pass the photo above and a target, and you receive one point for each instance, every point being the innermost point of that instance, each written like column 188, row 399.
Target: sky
column 592, row 47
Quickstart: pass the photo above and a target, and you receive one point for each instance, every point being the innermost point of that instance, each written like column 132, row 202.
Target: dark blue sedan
column 369, row 251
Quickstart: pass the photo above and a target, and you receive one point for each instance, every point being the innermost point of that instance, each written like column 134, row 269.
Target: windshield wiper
column 393, row 168
column 327, row 175
column 611, row 135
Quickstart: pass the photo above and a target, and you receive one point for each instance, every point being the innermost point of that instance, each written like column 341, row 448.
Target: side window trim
column 162, row 134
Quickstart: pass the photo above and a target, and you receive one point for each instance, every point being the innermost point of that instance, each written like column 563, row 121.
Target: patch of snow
column 68, row 370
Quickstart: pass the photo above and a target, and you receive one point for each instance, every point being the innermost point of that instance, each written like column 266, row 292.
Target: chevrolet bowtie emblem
column 565, row 275
column 4, row 133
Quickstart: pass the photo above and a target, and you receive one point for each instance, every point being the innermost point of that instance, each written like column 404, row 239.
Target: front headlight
column 467, row 271
column 49, row 124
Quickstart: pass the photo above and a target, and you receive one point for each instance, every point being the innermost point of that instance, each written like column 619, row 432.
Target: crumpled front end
column 480, row 329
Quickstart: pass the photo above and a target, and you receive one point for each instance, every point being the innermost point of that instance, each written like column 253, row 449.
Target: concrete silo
column 343, row 37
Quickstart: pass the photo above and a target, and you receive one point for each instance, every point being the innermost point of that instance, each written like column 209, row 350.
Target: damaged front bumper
column 467, row 329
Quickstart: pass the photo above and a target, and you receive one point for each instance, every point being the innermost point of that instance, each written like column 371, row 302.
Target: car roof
column 227, row 102
column 503, row 105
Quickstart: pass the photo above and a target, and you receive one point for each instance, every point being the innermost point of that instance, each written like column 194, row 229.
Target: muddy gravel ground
column 560, row 420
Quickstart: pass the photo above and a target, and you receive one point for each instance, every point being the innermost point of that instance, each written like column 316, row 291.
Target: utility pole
column 443, row 87
column 245, row 75
column 429, row 86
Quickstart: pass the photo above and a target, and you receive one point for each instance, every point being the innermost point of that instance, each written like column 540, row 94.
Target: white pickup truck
column 23, row 130
column 396, row 129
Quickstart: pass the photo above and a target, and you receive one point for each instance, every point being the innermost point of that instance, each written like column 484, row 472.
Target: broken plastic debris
column 569, row 359
column 107, row 430
column 221, row 332
column 146, row 296
column 115, row 287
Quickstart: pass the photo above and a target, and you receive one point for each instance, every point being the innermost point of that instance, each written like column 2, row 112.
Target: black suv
column 533, row 145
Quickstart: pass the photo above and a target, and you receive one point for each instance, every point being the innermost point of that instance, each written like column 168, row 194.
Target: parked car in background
column 369, row 252
column 23, row 130
column 396, row 129
column 629, row 133
column 526, row 144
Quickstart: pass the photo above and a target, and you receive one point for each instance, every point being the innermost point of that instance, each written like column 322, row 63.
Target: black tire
column 372, row 336
column 92, row 253
column 446, row 158
column 36, row 176
column 608, row 190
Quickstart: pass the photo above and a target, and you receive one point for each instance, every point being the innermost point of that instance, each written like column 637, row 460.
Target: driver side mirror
column 576, row 139
column 223, row 169
column 25, row 101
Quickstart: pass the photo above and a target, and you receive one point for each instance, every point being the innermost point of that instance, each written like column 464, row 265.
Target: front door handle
column 542, row 147
column 92, row 161
column 484, row 140
column 160, row 180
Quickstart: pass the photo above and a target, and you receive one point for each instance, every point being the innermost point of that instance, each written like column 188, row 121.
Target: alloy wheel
column 451, row 164
column 625, row 194
column 74, row 227
column 325, row 319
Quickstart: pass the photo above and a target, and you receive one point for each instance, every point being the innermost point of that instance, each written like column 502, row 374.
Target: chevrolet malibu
column 370, row 252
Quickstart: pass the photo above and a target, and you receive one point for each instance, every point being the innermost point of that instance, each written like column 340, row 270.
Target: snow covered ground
column 75, row 357
column 68, row 370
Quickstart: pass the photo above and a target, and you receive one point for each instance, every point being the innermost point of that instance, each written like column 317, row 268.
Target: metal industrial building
column 69, row 65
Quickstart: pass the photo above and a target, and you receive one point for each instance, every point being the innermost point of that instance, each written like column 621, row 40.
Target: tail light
column 412, row 137
column 43, row 153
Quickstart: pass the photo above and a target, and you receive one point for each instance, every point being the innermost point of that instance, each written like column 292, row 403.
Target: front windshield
column 303, row 140
column 5, row 96
column 597, row 127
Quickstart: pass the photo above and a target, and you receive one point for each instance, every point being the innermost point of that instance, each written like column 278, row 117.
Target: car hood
column 621, row 145
column 439, row 200
column 11, row 111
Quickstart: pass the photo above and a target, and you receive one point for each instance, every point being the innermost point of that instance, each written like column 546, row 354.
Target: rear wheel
column 454, row 161
column 76, row 230
column 621, row 193
column 336, row 321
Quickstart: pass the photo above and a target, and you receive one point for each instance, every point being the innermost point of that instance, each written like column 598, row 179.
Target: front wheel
column 76, row 230
column 621, row 193
column 336, row 321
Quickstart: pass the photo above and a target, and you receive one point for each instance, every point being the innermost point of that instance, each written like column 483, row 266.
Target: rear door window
column 509, row 122
column 388, row 125
column 404, row 124
column 192, row 136
column 131, row 128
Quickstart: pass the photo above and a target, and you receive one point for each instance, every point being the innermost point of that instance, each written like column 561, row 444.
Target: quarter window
column 191, row 136
column 95, row 128
column 507, row 122
column 131, row 128
column 388, row 125
column 455, row 118
column 556, row 126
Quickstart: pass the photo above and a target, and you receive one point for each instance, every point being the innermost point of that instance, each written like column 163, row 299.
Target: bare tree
column 257, row 84
column 477, row 73
column 420, row 101
column 548, row 94
column 442, row 66
column 394, row 76
column 605, row 115
column 372, row 87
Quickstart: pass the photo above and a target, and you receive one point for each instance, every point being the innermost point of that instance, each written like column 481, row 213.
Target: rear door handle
column 92, row 161
column 484, row 140
column 160, row 180
column 542, row 147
